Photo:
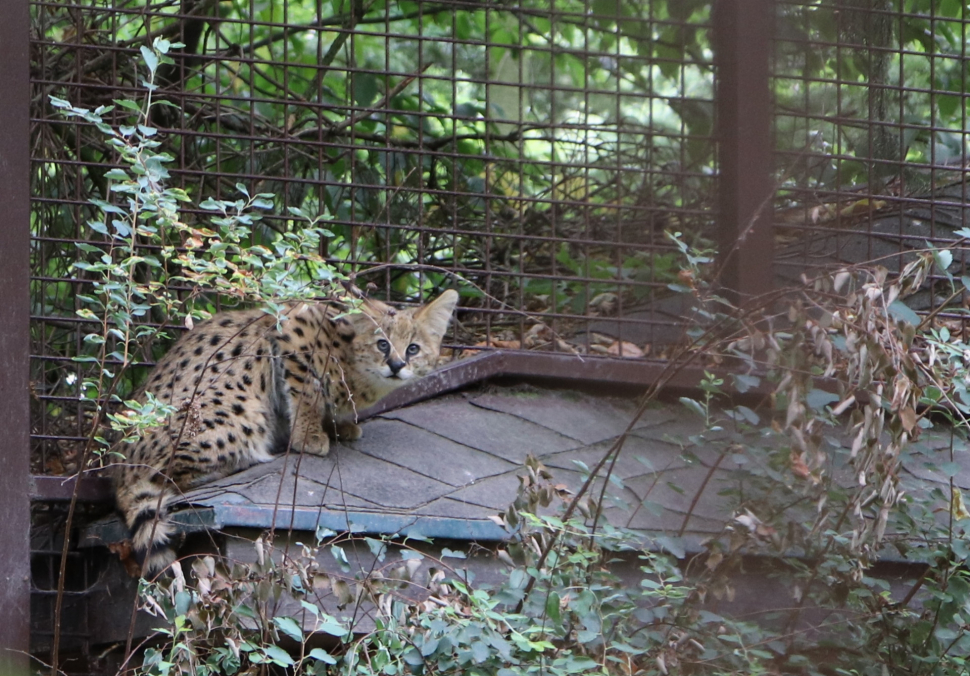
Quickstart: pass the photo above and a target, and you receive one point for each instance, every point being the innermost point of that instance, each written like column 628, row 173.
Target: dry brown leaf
column 124, row 552
column 538, row 334
column 621, row 348
column 600, row 339
column 604, row 305
column 908, row 417
column 798, row 467
column 862, row 206
column 501, row 344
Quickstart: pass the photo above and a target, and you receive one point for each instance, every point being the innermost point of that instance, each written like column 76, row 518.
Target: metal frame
column 743, row 42
column 14, row 338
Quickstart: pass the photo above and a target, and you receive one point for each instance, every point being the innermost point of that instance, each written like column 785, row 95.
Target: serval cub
column 246, row 390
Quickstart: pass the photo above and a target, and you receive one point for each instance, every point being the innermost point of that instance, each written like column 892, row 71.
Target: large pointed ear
column 436, row 314
column 375, row 309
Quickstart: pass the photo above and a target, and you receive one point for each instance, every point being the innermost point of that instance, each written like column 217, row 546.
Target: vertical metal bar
column 743, row 43
column 14, row 338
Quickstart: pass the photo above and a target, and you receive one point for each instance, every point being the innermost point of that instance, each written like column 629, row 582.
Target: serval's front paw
column 348, row 431
column 314, row 442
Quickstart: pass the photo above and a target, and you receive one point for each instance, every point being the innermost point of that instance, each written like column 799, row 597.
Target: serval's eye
column 413, row 349
column 383, row 346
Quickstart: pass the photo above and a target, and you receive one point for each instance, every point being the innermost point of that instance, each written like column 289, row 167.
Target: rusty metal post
column 14, row 338
column 743, row 43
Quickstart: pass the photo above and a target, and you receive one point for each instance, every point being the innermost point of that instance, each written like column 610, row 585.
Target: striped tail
column 145, row 505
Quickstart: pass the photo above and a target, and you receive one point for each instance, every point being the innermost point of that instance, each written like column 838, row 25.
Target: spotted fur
column 246, row 390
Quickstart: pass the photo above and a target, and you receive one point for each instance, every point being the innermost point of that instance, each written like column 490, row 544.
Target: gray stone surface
column 586, row 419
column 400, row 443
column 636, row 457
column 507, row 436
column 376, row 480
column 677, row 489
column 496, row 493
column 445, row 466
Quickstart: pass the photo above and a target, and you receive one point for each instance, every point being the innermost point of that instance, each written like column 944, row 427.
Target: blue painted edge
column 195, row 518
column 311, row 520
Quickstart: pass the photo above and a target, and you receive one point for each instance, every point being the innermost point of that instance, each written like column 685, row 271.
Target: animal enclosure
column 532, row 156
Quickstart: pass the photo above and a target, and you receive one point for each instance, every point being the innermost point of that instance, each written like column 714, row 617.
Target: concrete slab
column 501, row 434
column 405, row 445
column 637, row 456
column 496, row 492
column 677, row 489
column 450, row 463
column 457, row 508
column 584, row 418
column 376, row 480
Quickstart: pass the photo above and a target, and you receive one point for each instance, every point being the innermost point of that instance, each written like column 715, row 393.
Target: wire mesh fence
column 871, row 135
column 83, row 575
column 530, row 156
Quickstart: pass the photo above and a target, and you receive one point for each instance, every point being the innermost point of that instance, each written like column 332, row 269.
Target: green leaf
column 322, row 656
column 413, row 657
column 365, row 89
column 151, row 59
column 694, row 406
column 183, row 599
column 950, row 469
column 744, row 383
column 902, row 312
column 817, row 399
column 673, row 545
column 277, row 655
column 553, row 608
column 128, row 105
column 943, row 258
column 340, row 556
column 948, row 104
column 429, row 646
column 951, row 8
column 480, row 652
column 606, row 9
column 290, row 627
column 377, row 548
column 332, row 626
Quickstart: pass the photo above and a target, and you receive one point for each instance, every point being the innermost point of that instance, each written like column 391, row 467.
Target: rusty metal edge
column 15, row 338
column 558, row 368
